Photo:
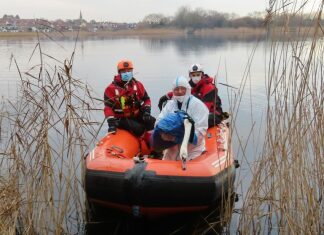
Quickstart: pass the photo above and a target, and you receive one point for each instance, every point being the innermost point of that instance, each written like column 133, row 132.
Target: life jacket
column 207, row 92
column 125, row 100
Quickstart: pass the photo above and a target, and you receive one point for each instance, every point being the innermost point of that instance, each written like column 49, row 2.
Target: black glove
column 225, row 115
column 146, row 114
column 162, row 101
column 112, row 124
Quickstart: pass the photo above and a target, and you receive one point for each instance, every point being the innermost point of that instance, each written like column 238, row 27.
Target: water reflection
column 214, row 221
column 199, row 44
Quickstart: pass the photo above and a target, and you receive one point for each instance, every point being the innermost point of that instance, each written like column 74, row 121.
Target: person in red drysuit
column 127, row 104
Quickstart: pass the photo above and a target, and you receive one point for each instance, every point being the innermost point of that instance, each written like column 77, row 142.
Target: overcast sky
column 120, row 10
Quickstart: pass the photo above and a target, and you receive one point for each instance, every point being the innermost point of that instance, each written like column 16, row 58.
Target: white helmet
column 196, row 68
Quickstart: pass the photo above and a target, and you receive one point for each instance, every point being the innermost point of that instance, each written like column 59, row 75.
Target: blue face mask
column 126, row 76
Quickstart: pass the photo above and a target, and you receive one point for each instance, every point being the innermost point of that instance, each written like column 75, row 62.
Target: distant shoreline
column 225, row 33
column 163, row 32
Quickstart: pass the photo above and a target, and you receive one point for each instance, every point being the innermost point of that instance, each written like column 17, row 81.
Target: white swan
column 184, row 145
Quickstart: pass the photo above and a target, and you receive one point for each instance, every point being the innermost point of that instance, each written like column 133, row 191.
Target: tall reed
column 49, row 130
column 286, row 193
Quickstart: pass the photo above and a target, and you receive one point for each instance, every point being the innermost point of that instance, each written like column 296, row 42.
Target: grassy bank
column 167, row 32
column 227, row 33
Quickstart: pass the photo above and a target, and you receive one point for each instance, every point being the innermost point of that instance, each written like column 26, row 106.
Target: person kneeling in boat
column 166, row 135
column 203, row 88
column 127, row 104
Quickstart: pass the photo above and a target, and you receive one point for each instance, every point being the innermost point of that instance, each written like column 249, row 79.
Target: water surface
column 157, row 62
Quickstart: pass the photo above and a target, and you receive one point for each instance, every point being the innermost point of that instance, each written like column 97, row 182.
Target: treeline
column 186, row 17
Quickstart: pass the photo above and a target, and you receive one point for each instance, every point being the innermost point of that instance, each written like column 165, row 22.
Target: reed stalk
column 285, row 195
column 49, row 129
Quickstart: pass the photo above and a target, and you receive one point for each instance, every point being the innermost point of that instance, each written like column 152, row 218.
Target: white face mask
column 195, row 79
column 179, row 98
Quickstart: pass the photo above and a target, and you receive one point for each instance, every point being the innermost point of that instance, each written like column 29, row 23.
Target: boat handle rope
column 120, row 150
column 113, row 153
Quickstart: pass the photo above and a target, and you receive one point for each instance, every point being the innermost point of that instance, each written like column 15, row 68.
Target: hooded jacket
column 207, row 92
column 199, row 114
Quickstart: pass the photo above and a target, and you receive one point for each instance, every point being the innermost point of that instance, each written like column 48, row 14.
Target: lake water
column 157, row 61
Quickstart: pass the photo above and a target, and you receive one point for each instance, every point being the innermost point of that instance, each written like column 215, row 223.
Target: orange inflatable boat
column 118, row 178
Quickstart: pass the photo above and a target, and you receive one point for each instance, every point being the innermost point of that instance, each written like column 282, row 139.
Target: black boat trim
column 138, row 186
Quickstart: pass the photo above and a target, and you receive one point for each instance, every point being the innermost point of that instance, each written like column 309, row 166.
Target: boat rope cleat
column 139, row 158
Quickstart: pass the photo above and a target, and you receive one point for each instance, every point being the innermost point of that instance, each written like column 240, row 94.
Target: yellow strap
column 122, row 102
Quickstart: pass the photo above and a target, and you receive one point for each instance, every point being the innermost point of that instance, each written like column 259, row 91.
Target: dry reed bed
column 9, row 199
column 225, row 33
column 160, row 32
column 286, row 194
column 49, row 131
